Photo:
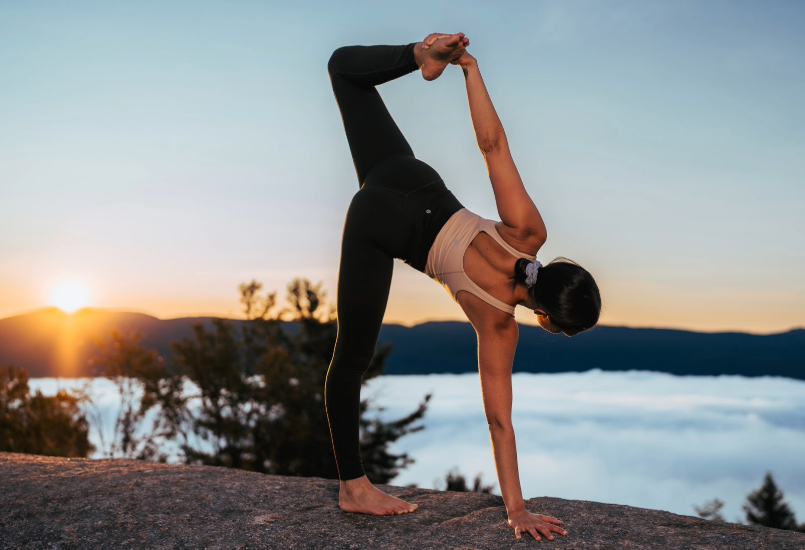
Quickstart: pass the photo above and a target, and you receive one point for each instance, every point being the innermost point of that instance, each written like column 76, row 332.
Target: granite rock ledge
column 60, row 503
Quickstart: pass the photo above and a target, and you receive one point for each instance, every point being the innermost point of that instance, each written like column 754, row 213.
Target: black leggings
column 401, row 205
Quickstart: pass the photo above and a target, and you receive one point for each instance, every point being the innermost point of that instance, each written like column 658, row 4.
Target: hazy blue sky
column 160, row 153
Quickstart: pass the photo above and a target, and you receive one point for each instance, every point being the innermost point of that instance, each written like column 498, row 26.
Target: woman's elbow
column 499, row 425
column 489, row 146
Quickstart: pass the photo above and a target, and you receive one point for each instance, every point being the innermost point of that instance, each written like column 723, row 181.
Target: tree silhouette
column 36, row 424
column 710, row 510
column 259, row 404
column 455, row 481
column 765, row 506
column 138, row 375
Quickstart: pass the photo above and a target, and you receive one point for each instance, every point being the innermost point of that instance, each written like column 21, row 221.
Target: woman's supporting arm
column 515, row 207
column 496, row 345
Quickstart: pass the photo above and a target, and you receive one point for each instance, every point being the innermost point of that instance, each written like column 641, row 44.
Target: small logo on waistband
column 427, row 211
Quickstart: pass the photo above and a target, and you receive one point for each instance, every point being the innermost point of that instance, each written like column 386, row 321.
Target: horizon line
column 407, row 325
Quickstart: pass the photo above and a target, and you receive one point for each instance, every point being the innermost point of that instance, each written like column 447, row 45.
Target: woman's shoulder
column 483, row 317
column 524, row 242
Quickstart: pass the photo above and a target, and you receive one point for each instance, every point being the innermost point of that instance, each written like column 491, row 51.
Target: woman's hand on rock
column 524, row 521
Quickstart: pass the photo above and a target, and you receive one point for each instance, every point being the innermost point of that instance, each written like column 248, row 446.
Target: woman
column 404, row 210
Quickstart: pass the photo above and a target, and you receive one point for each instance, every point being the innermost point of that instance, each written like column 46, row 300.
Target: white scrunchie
column 531, row 272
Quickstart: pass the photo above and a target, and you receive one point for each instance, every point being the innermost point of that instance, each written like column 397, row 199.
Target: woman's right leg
column 355, row 71
column 371, row 131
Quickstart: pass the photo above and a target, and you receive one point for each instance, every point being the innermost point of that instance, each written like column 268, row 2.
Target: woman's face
column 545, row 323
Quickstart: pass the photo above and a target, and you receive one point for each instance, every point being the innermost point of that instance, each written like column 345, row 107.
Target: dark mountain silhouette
column 52, row 343
column 451, row 347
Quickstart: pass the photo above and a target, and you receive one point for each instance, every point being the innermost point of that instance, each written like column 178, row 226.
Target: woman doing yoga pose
column 404, row 210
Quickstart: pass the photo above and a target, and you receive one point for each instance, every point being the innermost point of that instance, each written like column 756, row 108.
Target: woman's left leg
column 364, row 279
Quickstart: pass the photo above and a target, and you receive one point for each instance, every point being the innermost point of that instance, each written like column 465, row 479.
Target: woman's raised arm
column 515, row 207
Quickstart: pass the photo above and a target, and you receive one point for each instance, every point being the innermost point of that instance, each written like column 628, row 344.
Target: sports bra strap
column 479, row 292
column 488, row 227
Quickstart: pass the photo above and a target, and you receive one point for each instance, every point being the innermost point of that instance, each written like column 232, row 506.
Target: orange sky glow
column 155, row 169
column 415, row 299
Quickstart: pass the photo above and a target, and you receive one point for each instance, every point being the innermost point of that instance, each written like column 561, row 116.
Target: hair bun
column 519, row 270
column 531, row 271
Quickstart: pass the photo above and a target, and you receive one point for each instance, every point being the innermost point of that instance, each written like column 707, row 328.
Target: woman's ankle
column 419, row 54
column 357, row 485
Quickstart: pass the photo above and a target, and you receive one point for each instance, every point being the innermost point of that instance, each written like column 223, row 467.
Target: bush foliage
column 38, row 424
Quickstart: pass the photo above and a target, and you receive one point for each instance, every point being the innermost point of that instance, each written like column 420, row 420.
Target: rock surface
column 60, row 503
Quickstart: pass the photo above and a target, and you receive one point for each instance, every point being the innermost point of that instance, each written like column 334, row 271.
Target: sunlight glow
column 69, row 296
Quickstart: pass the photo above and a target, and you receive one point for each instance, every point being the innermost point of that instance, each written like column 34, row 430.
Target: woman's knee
column 350, row 359
column 336, row 60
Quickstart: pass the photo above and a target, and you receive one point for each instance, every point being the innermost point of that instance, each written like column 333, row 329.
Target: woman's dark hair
column 566, row 291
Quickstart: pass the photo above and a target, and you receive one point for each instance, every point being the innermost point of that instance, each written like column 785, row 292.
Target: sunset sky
column 154, row 155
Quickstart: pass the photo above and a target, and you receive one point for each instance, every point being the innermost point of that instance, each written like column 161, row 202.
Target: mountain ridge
column 49, row 342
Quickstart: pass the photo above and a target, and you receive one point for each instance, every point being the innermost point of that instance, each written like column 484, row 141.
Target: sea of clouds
column 644, row 439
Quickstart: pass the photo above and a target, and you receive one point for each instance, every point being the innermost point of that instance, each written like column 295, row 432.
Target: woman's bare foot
column 437, row 51
column 361, row 497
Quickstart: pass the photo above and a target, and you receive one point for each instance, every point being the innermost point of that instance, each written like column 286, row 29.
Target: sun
column 69, row 296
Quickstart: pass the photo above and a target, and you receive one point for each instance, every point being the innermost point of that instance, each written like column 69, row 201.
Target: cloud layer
column 639, row 438
column 644, row 439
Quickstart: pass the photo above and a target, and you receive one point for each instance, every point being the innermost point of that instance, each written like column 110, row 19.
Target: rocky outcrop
column 59, row 503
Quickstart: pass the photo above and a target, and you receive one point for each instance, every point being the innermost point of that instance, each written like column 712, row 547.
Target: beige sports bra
column 446, row 257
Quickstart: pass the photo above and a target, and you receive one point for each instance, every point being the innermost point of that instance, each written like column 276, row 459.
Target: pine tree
column 710, row 510
column 455, row 481
column 766, row 507
column 260, row 403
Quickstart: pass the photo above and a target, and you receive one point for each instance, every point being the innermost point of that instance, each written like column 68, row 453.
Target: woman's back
column 471, row 256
